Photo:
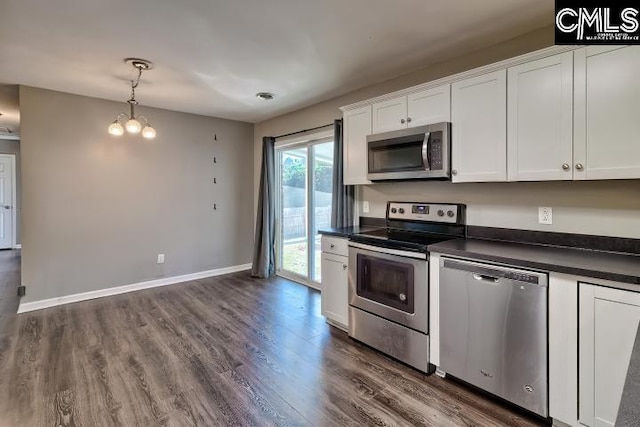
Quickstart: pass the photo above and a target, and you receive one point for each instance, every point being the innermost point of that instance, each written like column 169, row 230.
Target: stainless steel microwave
column 421, row 152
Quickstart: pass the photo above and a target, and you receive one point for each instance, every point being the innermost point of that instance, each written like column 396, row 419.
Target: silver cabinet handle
column 332, row 246
column 402, row 297
column 454, row 172
column 344, row 266
column 579, row 166
column 566, row 167
column 402, row 121
column 408, row 119
column 7, row 207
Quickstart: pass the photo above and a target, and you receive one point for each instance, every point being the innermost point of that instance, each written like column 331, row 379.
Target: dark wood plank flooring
column 229, row 350
column 9, row 282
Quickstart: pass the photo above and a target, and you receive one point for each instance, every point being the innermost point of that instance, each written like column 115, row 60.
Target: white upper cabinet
column 357, row 125
column 429, row 106
column 539, row 119
column 566, row 115
column 390, row 115
column 479, row 128
column 607, row 123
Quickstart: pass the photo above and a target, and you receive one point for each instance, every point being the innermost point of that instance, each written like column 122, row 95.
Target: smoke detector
column 266, row 96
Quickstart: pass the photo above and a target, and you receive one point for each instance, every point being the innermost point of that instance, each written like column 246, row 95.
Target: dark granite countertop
column 580, row 262
column 346, row 232
column 629, row 411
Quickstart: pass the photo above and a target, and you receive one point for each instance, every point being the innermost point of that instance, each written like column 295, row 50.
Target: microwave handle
column 425, row 151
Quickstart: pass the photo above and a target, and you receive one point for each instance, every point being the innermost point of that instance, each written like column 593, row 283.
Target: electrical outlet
column 160, row 258
column 545, row 215
column 365, row 207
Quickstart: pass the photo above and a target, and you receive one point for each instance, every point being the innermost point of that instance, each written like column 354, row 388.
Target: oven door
column 391, row 284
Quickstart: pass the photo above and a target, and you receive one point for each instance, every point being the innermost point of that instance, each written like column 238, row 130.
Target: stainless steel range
column 389, row 278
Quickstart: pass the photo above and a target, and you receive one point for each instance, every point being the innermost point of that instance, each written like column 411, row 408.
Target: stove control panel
column 427, row 212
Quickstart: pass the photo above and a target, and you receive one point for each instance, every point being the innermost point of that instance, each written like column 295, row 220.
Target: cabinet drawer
column 335, row 245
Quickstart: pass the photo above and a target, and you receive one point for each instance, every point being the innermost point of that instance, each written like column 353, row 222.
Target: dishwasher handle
column 492, row 273
column 485, row 278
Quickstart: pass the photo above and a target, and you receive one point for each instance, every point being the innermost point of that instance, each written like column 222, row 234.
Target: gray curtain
column 343, row 195
column 264, row 251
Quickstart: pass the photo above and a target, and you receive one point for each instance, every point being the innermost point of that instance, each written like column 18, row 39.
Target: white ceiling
column 212, row 56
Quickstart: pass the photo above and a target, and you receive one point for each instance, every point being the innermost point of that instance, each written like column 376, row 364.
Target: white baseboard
column 67, row 299
column 17, row 246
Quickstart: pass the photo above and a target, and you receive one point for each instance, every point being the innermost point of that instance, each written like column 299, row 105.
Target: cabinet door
column 335, row 289
column 607, row 124
column 429, row 106
column 357, row 125
column 540, row 119
column 479, row 128
column 390, row 115
column 609, row 321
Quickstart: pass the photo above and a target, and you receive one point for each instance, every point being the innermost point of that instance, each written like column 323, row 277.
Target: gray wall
column 12, row 146
column 604, row 207
column 98, row 209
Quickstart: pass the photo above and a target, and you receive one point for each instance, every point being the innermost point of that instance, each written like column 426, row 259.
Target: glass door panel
column 303, row 191
column 321, row 199
column 293, row 215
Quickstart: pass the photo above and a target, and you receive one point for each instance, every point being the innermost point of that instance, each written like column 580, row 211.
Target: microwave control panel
column 435, row 151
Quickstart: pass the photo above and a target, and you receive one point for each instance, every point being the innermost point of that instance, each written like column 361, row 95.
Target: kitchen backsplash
column 606, row 208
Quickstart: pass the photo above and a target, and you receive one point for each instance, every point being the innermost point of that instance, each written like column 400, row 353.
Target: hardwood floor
column 9, row 282
column 229, row 350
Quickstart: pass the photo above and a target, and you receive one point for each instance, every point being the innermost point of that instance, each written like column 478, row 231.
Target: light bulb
column 148, row 132
column 133, row 126
column 116, row 129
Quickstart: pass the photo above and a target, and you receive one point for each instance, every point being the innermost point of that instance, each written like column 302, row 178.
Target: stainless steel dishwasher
column 493, row 330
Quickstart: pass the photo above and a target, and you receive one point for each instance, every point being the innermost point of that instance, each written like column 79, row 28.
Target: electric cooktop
column 414, row 226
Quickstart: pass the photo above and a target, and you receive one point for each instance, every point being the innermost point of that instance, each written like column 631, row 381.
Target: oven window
column 387, row 282
column 398, row 157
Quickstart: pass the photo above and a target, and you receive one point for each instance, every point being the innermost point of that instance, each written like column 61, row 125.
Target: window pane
column 322, row 180
column 293, row 218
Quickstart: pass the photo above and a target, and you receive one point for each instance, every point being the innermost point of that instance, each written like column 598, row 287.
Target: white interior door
column 6, row 201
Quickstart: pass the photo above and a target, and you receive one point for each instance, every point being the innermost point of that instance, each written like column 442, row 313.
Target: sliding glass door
column 304, row 173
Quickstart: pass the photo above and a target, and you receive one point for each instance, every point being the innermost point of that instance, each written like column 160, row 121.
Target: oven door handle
column 425, row 151
column 387, row 251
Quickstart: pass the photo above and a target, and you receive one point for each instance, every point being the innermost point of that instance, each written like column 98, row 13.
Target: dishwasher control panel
column 522, row 277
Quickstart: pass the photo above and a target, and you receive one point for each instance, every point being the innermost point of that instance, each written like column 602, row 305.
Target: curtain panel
column 264, row 253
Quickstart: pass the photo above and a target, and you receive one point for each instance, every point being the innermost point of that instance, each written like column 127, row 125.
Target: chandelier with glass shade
column 132, row 123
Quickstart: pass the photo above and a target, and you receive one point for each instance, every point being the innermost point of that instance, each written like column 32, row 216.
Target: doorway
column 7, row 201
column 304, row 191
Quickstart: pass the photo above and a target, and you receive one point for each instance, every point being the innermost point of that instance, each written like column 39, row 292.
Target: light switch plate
column 545, row 215
column 160, row 258
column 365, row 207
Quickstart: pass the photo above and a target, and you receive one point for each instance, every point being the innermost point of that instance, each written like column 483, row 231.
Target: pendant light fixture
column 130, row 122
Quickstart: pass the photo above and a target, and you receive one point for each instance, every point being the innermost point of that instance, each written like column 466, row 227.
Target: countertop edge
column 335, row 233
column 596, row 274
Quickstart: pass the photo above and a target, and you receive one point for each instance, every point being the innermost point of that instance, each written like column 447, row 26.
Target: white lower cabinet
column 335, row 287
column 609, row 321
